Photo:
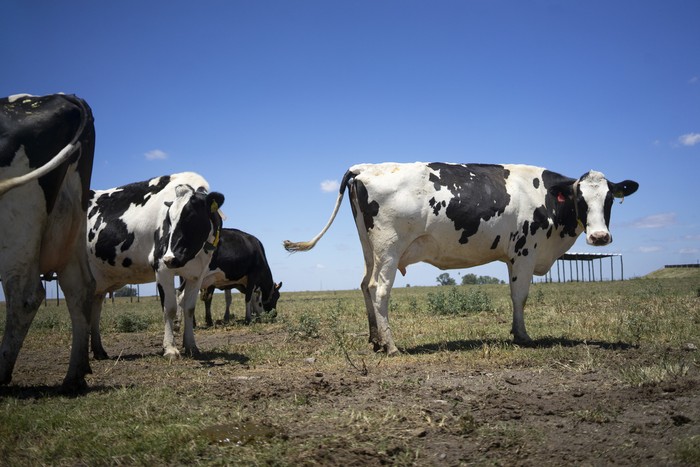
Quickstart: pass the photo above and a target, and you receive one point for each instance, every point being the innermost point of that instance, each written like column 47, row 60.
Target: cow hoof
column 73, row 386
column 194, row 353
column 390, row 350
column 523, row 341
column 100, row 355
column 172, row 353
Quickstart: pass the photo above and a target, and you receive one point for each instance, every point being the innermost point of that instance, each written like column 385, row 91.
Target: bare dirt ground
column 430, row 408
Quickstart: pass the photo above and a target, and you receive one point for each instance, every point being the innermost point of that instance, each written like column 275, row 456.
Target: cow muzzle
column 171, row 261
column 599, row 238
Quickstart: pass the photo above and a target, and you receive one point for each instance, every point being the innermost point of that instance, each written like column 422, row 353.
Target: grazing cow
column 155, row 229
column 47, row 145
column 240, row 262
column 463, row 215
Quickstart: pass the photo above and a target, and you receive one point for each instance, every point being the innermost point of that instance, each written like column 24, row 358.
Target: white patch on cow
column 402, row 228
column 142, row 220
column 15, row 97
column 594, row 189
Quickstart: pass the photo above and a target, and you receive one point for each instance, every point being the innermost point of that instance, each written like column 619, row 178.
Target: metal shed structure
column 582, row 267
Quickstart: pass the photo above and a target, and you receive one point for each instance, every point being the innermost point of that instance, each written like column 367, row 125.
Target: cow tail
column 293, row 247
column 58, row 159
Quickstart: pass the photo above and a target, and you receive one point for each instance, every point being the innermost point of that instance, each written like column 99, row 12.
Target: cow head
column 591, row 196
column 270, row 303
column 192, row 223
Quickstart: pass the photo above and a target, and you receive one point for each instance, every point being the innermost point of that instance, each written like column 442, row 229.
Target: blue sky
column 272, row 101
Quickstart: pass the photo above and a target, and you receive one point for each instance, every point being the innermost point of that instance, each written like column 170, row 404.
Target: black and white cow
column 463, row 215
column 47, row 145
column 155, row 229
column 240, row 262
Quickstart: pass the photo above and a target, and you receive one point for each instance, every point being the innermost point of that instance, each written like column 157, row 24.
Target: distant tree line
column 468, row 279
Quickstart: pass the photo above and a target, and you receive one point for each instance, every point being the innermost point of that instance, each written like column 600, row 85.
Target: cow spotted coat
column 464, row 215
column 47, row 145
column 155, row 229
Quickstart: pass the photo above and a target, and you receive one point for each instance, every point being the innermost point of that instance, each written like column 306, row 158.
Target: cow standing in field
column 155, row 229
column 240, row 262
column 47, row 146
column 463, row 215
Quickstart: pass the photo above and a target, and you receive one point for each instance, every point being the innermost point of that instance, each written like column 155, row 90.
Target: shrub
column 456, row 302
column 131, row 322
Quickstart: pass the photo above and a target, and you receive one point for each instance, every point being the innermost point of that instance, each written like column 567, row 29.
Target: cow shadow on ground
column 541, row 343
column 210, row 357
column 50, row 392
column 218, row 358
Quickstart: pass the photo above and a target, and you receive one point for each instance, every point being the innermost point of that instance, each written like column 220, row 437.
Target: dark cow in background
column 463, row 215
column 46, row 153
column 155, row 229
column 240, row 262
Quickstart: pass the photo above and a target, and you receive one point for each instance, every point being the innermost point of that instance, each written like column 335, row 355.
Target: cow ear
column 622, row 189
column 215, row 200
column 278, row 286
column 562, row 191
column 182, row 190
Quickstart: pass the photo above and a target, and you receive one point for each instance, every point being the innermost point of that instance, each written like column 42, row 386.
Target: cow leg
column 520, row 275
column 98, row 351
column 207, row 297
column 371, row 318
column 166, row 290
column 79, row 289
column 23, row 295
column 188, row 299
column 253, row 304
column 227, row 297
column 379, row 287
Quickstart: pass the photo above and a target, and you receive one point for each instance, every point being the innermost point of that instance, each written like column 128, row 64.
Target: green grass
column 162, row 416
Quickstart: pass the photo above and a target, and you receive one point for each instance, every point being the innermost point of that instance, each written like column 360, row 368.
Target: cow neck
column 211, row 246
column 578, row 218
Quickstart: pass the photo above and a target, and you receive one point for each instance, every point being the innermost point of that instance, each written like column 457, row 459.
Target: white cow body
column 464, row 215
column 135, row 236
column 46, row 154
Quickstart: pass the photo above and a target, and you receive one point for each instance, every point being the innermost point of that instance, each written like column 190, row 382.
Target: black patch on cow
column 563, row 214
column 539, row 220
column 369, row 209
column 161, row 294
column 44, row 125
column 111, row 206
column 478, row 193
column 436, row 205
column 495, row 242
column 194, row 226
column 536, row 182
column 520, row 243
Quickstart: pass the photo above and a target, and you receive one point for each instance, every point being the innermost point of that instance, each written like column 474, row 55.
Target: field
column 614, row 378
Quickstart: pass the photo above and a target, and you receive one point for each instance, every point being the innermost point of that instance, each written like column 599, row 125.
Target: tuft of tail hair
column 294, row 247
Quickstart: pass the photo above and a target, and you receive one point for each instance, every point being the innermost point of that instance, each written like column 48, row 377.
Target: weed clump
column 457, row 302
column 131, row 322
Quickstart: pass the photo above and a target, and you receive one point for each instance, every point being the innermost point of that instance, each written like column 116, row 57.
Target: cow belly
column 428, row 249
column 66, row 224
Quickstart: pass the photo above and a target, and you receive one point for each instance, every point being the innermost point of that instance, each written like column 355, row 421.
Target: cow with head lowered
column 239, row 262
column 47, row 145
column 155, row 229
column 463, row 215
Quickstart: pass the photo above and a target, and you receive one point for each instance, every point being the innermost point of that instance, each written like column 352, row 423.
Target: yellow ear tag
column 216, row 238
column 214, row 206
